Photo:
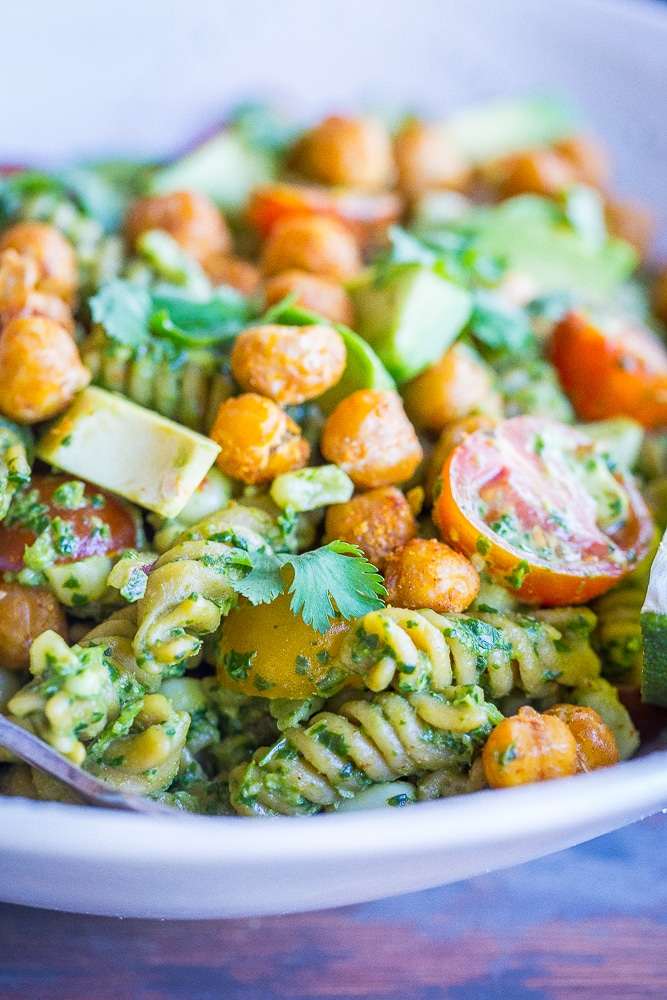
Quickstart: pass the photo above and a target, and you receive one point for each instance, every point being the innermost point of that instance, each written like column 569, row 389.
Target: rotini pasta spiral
column 618, row 636
column 14, row 465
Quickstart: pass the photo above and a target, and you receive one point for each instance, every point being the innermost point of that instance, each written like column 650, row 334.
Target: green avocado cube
column 363, row 370
column 129, row 450
column 410, row 317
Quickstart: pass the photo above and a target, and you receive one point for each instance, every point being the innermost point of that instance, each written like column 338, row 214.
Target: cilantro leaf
column 124, row 310
column 499, row 324
column 193, row 323
column 333, row 579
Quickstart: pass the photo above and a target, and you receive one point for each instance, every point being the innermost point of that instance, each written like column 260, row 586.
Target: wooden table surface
column 586, row 924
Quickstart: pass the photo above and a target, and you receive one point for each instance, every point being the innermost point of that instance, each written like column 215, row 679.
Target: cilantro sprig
column 333, row 580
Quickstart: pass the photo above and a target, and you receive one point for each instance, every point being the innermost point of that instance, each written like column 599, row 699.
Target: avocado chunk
column 532, row 235
column 129, row 450
column 654, row 631
column 225, row 168
column 363, row 370
column 410, row 317
column 498, row 128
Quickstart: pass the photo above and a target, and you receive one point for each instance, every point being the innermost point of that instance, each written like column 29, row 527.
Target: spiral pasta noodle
column 14, row 465
column 618, row 636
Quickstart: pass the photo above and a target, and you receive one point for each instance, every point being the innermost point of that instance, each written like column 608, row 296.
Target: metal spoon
column 39, row 754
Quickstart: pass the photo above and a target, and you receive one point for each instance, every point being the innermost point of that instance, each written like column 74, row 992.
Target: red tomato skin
column 544, row 584
column 610, row 376
column 124, row 530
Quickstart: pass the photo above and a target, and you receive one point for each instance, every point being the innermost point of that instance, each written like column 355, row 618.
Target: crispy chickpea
column 258, row 439
column 529, row 747
column 659, row 295
column 289, row 364
column 596, row 744
column 631, row 221
column 370, row 437
column 427, row 160
column 452, row 435
column 224, row 269
column 192, row 220
column 541, row 171
column 587, row 158
column 26, row 612
column 51, row 253
column 378, row 522
column 18, row 276
column 454, row 387
column 313, row 243
column 426, row 573
column 320, row 295
column 30, row 303
column 40, row 369
column 346, row 152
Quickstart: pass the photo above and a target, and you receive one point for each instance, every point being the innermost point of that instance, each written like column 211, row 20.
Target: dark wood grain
column 586, row 924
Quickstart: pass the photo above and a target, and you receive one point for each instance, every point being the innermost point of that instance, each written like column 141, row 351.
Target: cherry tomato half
column 611, row 366
column 85, row 521
column 544, row 509
column 367, row 215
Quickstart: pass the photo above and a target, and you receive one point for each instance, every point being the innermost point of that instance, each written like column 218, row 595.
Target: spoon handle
column 37, row 753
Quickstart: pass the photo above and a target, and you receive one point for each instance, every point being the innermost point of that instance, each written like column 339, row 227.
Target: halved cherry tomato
column 367, row 215
column 539, row 504
column 611, row 366
column 101, row 525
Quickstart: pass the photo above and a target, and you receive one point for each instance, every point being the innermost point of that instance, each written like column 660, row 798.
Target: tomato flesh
column 539, row 504
column 611, row 366
column 96, row 523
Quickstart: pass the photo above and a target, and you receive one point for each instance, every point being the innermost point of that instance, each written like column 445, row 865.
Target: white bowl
column 145, row 78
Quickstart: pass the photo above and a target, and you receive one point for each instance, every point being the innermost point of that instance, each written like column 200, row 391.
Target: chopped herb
column 238, row 665
column 518, row 574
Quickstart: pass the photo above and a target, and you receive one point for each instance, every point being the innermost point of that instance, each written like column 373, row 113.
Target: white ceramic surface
column 87, row 78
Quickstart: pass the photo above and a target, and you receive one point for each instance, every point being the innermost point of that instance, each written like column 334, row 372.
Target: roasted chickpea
column 541, row 171
column 320, row 295
column 40, row 369
column 192, row 220
column 529, row 747
column 659, row 295
column 452, row 435
column 370, row 437
column 587, row 158
column 427, row 160
column 454, row 387
column 224, row 269
column 18, row 276
column 258, row 439
column 51, row 253
column 37, row 304
column 426, row 573
column 378, row 522
column 289, row 364
column 346, row 152
column 596, row 744
column 631, row 221
column 26, row 612
column 312, row 243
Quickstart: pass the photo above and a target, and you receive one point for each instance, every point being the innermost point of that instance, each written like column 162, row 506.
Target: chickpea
column 258, row 439
column 346, row 152
column 426, row 573
column 30, row 303
column 452, row 435
column 529, row 747
column 313, row 243
column 587, row 158
column 192, row 220
column 26, row 612
column 659, row 295
column 40, row 369
column 427, row 160
column 320, row 295
column 378, row 522
column 289, row 364
column 541, row 171
column 223, row 269
column 596, row 744
column 18, row 276
column 51, row 253
column 370, row 437
column 631, row 221
column 454, row 387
